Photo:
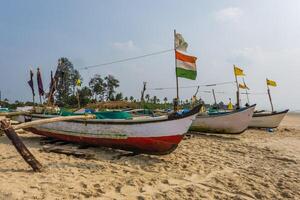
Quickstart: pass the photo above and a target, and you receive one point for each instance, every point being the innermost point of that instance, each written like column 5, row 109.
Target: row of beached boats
column 145, row 133
column 156, row 135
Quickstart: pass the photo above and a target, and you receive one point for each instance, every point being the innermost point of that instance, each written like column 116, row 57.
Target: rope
column 193, row 86
column 126, row 59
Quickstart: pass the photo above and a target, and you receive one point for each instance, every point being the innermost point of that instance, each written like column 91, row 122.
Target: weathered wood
column 8, row 114
column 51, row 120
column 67, row 151
column 19, row 145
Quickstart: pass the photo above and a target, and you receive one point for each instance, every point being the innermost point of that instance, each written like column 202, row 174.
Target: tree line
column 100, row 88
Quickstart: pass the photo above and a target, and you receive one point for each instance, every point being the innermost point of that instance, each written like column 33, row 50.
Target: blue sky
column 263, row 37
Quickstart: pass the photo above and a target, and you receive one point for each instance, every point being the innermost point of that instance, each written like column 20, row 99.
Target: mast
column 237, row 91
column 270, row 98
column 214, row 95
column 247, row 94
column 176, row 102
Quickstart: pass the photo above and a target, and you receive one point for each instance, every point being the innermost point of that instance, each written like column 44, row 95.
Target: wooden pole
column 214, row 95
column 8, row 114
column 270, row 98
column 247, row 94
column 78, row 99
column 237, row 91
column 51, row 120
column 19, row 145
column 177, row 89
column 33, row 101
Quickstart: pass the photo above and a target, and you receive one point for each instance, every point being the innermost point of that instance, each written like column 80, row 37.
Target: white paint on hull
column 230, row 123
column 268, row 121
column 102, row 130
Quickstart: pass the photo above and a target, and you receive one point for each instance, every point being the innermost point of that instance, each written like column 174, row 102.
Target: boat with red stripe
column 157, row 135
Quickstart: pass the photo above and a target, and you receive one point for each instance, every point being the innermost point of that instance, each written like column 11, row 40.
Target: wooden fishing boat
column 234, row 122
column 267, row 120
column 158, row 135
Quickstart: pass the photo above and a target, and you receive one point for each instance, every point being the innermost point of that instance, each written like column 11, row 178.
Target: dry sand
column 254, row 165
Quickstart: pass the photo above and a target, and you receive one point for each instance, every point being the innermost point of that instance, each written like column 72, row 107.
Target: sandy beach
column 254, row 165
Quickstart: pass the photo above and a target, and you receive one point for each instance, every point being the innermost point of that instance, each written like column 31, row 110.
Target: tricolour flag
column 185, row 66
column 271, row 83
column 238, row 71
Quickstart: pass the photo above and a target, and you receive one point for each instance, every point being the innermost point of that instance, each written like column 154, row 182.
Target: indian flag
column 185, row 65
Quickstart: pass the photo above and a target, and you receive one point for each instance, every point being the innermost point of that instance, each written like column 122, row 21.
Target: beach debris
column 19, row 145
column 67, row 150
column 63, row 147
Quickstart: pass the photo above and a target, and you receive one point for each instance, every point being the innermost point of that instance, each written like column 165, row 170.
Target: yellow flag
column 271, row 83
column 238, row 71
column 230, row 106
column 78, row 82
column 243, row 86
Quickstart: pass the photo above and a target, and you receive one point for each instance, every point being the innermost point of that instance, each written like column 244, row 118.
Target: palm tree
column 165, row 100
column 147, row 97
column 154, row 99
column 131, row 98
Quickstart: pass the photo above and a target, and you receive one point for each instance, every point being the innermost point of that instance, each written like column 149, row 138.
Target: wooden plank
column 51, row 120
column 67, row 151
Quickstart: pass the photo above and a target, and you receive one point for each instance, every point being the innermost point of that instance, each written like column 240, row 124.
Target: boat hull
column 267, row 120
column 235, row 122
column 158, row 136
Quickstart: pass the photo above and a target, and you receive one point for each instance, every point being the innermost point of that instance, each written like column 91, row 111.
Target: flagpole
column 270, row 98
column 177, row 90
column 246, row 92
column 214, row 95
column 237, row 91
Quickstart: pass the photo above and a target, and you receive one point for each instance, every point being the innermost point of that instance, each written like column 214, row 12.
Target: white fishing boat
column 267, row 120
column 234, row 122
column 156, row 135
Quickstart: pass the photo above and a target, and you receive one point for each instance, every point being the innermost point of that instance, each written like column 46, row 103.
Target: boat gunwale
column 270, row 114
column 170, row 117
column 226, row 113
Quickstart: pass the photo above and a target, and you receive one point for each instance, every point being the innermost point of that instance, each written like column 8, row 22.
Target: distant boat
column 156, row 135
column 267, row 120
column 234, row 122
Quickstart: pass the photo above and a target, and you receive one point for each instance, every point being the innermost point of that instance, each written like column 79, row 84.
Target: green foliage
column 67, row 77
column 98, row 87
column 111, row 84
column 119, row 96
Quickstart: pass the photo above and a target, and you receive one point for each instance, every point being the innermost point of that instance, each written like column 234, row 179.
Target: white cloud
column 125, row 46
column 230, row 14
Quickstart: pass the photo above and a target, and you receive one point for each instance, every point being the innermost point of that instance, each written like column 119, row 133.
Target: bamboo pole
column 247, row 94
column 19, row 145
column 8, row 114
column 177, row 89
column 237, row 91
column 270, row 98
column 51, row 120
column 214, row 95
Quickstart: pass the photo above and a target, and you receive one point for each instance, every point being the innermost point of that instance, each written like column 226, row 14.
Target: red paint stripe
column 149, row 145
column 185, row 58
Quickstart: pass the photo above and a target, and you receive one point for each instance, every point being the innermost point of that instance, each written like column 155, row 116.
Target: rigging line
column 256, row 93
column 126, row 59
column 194, row 86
